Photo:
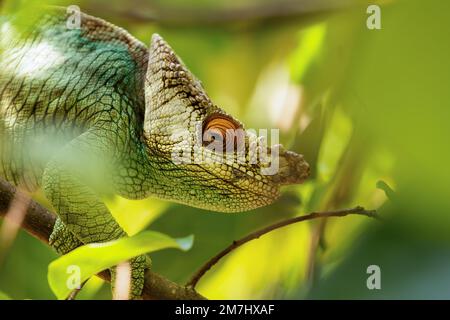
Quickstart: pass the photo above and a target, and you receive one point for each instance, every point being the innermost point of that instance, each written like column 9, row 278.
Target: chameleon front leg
column 62, row 239
column 69, row 182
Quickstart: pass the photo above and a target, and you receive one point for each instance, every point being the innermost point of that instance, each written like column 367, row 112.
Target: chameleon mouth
column 292, row 169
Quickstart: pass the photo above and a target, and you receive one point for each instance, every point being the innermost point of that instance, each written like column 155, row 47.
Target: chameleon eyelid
column 219, row 124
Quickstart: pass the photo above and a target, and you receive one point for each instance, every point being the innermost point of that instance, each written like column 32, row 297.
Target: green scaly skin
column 91, row 112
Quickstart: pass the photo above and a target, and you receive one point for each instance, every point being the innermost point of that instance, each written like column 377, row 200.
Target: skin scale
column 90, row 112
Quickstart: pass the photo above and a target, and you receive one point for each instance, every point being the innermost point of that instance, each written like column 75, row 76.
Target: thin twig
column 252, row 15
column 255, row 235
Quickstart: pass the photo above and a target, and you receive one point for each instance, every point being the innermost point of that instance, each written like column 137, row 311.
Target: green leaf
column 88, row 260
column 310, row 46
column 390, row 194
column 135, row 215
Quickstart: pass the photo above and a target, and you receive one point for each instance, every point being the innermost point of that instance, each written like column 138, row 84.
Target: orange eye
column 221, row 133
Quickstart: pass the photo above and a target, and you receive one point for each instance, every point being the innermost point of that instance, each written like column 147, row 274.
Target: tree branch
column 256, row 15
column 39, row 223
column 256, row 234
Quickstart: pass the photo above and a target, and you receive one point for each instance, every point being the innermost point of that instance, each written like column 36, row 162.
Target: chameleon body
column 89, row 112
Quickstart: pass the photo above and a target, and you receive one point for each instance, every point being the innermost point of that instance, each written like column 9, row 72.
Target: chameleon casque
column 91, row 112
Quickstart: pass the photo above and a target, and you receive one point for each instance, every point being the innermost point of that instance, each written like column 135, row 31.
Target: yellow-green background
column 362, row 105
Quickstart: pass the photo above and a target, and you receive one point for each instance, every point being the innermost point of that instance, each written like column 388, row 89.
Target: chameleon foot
column 138, row 266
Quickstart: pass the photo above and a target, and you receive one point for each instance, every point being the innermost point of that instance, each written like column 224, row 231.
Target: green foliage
column 363, row 106
column 93, row 258
column 4, row 296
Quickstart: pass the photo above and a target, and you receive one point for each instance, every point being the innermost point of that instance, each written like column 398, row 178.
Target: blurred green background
column 369, row 109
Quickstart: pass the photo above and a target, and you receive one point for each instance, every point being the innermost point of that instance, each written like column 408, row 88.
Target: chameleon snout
column 293, row 168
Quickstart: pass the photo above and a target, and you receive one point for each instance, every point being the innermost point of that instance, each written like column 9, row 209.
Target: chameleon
column 90, row 112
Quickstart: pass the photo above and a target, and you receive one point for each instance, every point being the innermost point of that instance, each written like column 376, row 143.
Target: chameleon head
column 202, row 156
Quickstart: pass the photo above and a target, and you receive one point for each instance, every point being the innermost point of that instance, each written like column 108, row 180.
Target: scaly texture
column 90, row 112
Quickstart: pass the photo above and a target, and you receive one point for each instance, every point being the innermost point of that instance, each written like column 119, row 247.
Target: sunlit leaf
column 91, row 289
column 90, row 259
column 135, row 215
column 4, row 296
column 308, row 50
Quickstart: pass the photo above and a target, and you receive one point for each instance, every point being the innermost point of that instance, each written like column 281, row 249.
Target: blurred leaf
column 334, row 144
column 309, row 141
column 386, row 188
column 271, row 266
column 4, row 296
column 23, row 274
column 308, row 50
column 135, row 215
column 93, row 258
column 91, row 289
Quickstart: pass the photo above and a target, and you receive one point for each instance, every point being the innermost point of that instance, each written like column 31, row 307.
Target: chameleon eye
column 219, row 133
